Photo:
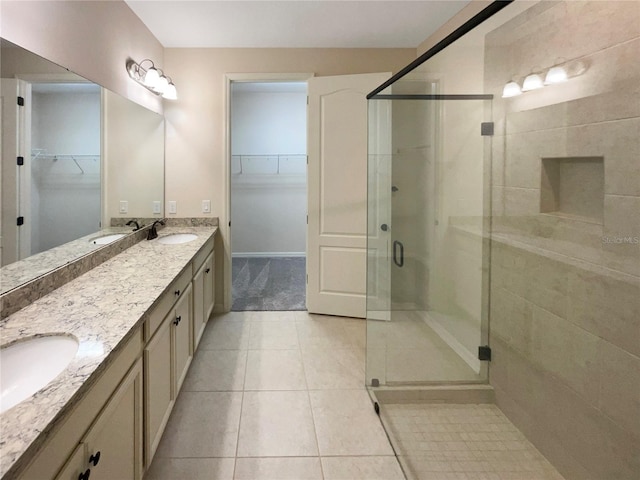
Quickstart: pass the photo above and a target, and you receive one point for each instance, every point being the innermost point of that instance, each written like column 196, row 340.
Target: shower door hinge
column 20, row 161
column 486, row 129
column 307, row 219
column 20, row 221
column 484, row 353
column 307, row 278
column 21, row 101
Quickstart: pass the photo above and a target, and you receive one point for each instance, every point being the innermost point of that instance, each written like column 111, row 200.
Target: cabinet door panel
column 157, row 387
column 182, row 349
column 209, row 287
column 198, row 307
column 76, row 465
column 114, row 443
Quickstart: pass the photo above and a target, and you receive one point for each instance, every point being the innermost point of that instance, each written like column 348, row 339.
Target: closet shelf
column 294, row 165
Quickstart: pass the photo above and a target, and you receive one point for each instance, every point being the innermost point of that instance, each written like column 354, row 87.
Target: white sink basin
column 177, row 238
column 28, row 366
column 107, row 239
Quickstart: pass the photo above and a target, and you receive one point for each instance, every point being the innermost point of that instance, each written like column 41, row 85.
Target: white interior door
column 337, row 183
column 14, row 241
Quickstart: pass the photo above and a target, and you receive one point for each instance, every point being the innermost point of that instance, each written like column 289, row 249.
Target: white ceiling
column 294, row 23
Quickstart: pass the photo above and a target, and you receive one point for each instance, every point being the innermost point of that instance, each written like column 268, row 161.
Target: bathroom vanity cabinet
column 115, row 426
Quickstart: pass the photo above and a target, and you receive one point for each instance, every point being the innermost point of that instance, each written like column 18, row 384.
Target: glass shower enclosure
column 429, row 170
column 503, row 211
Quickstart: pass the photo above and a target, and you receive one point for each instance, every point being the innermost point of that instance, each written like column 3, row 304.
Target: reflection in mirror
column 71, row 154
column 65, row 163
column 51, row 193
column 134, row 153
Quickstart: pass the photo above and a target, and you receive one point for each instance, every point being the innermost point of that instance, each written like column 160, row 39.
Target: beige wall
column 472, row 9
column 565, row 303
column 91, row 38
column 196, row 124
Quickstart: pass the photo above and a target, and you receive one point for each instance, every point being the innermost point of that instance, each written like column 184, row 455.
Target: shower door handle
column 399, row 261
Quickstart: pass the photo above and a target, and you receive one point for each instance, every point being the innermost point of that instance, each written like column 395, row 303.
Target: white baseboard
column 450, row 340
column 267, row 254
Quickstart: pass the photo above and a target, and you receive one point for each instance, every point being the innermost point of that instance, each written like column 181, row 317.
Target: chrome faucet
column 133, row 222
column 153, row 233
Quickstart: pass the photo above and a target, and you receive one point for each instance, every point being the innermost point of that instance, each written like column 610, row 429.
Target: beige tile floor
column 280, row 396
column 276, row 395
column 462, row 442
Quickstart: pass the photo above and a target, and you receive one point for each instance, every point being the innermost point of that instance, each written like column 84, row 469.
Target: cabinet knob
column 177, row 292
column 207, row 270
column 95, row 458
column 177, row 320
column 85, row 475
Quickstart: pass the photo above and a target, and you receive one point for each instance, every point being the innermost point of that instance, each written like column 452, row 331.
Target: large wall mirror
column 75, row 157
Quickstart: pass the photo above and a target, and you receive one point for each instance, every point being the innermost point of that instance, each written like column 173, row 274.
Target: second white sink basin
column 29, row 366
column 177, row 238
column 107, row 239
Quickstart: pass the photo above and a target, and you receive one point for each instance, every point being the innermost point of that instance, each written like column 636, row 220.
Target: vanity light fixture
column 511, row 89
column 533, row 81
column 152, row 78
column 558, row 73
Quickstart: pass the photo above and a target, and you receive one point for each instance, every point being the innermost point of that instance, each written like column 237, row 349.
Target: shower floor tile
column 470, row 442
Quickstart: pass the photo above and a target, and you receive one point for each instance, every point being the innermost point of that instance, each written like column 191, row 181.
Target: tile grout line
column 244, row 379
column 304, row 372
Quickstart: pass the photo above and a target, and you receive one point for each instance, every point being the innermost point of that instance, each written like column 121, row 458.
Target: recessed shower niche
column 573, row 187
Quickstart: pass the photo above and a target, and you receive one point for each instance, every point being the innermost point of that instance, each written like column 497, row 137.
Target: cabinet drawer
column 202, row 254
column 167, row 301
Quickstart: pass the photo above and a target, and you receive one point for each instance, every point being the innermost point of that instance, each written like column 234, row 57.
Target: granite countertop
column 102, row 309
column 18, row 273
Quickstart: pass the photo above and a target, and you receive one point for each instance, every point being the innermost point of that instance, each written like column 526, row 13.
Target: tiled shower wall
column 565, row 287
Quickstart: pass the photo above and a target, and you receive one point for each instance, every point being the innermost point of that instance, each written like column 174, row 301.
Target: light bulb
column 162, row 84
column 170, row 93
column 532, row 82
column 556, row 75
column 511, row 89
column 151, row 78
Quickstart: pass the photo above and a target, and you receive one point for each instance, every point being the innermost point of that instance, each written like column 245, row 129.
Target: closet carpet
column 268, row 283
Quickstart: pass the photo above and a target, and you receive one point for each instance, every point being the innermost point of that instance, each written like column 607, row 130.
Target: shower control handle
column 384, row 227
column 398, row 246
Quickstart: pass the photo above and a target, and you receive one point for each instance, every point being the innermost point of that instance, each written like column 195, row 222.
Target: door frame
column 224, row 226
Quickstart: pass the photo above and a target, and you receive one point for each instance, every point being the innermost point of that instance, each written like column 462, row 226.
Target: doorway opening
column 268, row 195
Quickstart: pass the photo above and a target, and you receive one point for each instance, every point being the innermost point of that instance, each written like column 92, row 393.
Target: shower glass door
column 428, row 219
